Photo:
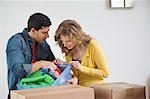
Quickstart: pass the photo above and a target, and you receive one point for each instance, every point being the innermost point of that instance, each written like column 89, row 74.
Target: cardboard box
column 119, row 90
column 58, row 92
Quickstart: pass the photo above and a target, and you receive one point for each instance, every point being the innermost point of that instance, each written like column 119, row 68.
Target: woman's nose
column 65, row 45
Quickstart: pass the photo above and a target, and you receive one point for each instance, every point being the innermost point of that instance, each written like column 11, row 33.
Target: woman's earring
column 80, row 42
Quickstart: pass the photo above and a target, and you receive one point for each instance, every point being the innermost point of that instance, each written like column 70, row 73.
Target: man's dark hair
column 37, row 21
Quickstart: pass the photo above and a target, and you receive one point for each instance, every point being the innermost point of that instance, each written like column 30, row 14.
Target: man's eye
column 44, row 32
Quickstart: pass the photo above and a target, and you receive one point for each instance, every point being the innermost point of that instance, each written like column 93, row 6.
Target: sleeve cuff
column 81, row 68
column 27, row 68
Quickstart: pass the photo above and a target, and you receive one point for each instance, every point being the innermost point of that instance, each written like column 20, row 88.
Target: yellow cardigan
column 93, row 67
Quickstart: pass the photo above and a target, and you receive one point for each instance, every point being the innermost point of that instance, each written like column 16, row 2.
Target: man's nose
column 47, row 35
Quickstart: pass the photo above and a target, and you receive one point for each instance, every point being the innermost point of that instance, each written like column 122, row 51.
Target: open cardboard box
column 61, row 80
column 56, row 92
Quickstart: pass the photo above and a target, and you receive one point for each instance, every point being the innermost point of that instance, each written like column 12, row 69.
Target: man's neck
column 31, row 35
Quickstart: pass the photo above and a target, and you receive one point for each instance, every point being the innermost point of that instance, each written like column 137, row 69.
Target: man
column 28, row 51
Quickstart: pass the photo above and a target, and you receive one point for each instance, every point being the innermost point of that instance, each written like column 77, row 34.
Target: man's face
column 42, row 34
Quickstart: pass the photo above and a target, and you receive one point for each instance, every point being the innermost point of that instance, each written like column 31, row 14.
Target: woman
column 82, row 52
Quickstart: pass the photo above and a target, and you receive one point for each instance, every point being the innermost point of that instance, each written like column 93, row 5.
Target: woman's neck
column 78, row 53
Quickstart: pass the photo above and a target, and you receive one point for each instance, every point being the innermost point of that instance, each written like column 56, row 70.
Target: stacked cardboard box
column 119, row 90
column 58, row 92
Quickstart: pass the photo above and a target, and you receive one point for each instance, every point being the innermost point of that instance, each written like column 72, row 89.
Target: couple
column 28, row 51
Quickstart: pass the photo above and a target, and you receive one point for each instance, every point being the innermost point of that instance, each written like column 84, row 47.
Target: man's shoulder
column 16, row 39
column 17, row 35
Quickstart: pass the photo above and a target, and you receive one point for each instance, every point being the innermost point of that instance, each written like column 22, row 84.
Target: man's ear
column 33, row 31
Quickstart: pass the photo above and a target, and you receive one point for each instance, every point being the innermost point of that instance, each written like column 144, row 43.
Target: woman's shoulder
column 93, row 43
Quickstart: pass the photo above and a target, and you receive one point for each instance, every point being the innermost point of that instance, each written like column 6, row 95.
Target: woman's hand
column 75, row 64
column 73, row 81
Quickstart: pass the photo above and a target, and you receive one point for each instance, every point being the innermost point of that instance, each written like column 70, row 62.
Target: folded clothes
column 45, row 77
column 48, row 71
column 62, row 66
column 35, row 80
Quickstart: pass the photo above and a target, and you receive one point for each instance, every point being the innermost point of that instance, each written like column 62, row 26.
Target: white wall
column 124, row 34
column 1, row 53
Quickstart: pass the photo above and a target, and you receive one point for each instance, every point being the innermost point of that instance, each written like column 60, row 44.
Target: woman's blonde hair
column 73, row 30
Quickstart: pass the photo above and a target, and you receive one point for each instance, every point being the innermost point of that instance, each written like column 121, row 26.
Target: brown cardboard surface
column 46, row 88
column 119, row 90
column 59, row 92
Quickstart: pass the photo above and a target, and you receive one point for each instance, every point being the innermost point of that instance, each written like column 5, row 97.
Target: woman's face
column 67, row 42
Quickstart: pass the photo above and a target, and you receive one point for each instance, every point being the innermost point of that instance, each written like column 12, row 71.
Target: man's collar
column 26, row 35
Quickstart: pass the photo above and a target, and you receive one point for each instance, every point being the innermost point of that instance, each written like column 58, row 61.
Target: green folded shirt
column 37, row 80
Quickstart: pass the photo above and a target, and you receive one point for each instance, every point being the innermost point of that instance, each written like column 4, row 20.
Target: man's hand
column 39, row 64
column 58, row 61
